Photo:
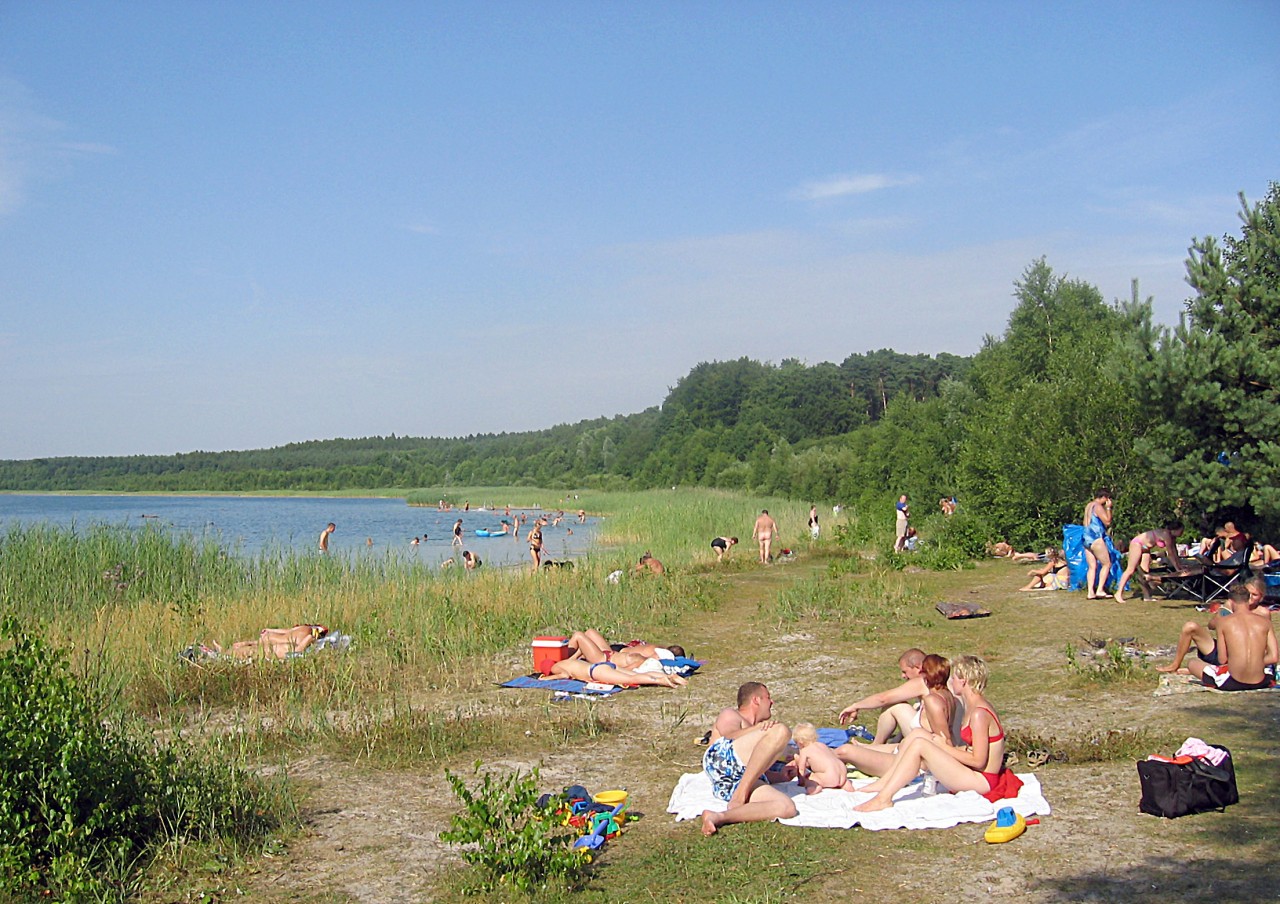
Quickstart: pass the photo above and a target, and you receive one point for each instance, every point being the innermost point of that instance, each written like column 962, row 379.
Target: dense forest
column 1076, row 393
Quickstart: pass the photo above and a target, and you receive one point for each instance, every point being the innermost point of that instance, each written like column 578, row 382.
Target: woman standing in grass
column 1097, row 521
column 977, row 766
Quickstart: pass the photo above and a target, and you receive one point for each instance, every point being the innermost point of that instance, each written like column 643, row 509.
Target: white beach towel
column 830, row 809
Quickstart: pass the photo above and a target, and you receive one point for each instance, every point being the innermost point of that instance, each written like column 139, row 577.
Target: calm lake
column 248, row 525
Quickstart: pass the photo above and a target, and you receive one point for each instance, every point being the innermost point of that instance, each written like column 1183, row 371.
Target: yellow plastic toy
column 1008, row 826
column 611, row 798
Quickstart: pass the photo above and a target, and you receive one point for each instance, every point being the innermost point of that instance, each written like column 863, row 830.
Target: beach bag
column 1179, row 789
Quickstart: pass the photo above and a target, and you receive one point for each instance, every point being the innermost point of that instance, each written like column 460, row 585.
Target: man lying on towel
column 608, row 673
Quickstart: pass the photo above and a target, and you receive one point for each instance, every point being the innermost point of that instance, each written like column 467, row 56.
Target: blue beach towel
column 568, row 685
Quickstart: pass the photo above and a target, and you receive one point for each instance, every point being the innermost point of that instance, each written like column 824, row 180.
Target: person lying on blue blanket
column 608, row 673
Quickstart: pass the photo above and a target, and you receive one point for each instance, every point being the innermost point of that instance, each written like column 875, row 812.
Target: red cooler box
column 547, row 651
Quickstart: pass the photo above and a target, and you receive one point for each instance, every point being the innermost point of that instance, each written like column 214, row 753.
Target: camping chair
column 1215, row 580
column 1219, row 578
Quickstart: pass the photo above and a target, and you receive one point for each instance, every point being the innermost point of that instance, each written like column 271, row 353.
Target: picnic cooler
column 1180, row 789
column 547, row 651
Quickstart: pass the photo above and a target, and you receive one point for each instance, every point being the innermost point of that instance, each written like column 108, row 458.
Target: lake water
column 249, row 525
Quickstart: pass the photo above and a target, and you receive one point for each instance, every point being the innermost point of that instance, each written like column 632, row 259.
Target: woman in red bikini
column 977, row 766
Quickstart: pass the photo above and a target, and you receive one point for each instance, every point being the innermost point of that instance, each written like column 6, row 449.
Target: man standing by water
column 324, row 538
column 765, row 528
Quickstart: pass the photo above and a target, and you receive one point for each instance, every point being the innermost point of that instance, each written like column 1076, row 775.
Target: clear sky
column 230, row 225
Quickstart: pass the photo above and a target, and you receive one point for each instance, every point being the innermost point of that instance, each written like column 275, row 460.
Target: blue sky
column 229, row 225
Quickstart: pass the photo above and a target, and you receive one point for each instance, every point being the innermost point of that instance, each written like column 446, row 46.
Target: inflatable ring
column 1008, row 826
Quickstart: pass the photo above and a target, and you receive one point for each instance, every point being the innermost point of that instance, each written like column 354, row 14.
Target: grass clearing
column 364, row 738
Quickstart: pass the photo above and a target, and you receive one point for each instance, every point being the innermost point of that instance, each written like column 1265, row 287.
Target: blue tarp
column 1073, row 546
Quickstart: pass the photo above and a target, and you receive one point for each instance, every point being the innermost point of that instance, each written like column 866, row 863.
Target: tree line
column 1179, row 422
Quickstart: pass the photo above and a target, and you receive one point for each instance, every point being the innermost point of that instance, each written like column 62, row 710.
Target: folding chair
column 1215, row 579
column 1219, row 578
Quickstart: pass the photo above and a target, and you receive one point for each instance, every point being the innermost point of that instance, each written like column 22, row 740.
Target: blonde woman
column 976, row 766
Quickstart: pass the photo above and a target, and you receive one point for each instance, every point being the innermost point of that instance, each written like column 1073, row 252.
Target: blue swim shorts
column 723, row 768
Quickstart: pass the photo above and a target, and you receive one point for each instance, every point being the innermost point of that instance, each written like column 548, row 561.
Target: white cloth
column 832, row 809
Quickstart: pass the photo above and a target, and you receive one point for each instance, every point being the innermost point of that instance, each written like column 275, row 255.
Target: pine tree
column 1215, row 382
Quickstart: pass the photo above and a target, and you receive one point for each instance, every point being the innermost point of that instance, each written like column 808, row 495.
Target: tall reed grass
column 126, row 602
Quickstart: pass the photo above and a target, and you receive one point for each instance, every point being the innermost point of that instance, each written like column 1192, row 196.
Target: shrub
column 512, row 837
column 82, row 803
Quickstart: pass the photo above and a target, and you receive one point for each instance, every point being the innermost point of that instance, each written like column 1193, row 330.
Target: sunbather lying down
column 608, row 673
column 276, row 643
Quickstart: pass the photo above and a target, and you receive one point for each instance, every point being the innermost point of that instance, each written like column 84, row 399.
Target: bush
column 512, row 837
column 82, row 803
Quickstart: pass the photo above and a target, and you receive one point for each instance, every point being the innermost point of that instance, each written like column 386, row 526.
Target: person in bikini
column 591, row 646
column 763, row 532
column 722, row 545
column 745, row 742
column 1246, row 648
column 1053, row 575
column 608, row 673
column 1159, row 541
column 535, row 543
column 978, row 765
column 937, row 716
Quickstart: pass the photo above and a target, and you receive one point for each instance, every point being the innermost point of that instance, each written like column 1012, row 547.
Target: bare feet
column 1119, row 596
column 876, row 803
column 710, row 822
column 1167, row 669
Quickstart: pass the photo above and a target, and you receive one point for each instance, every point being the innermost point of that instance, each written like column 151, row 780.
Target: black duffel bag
column 1173, row 789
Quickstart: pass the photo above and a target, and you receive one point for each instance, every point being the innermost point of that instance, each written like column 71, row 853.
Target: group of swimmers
column 951, row 732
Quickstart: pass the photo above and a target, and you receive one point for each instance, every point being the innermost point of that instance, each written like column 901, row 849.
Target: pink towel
column 1197, row 747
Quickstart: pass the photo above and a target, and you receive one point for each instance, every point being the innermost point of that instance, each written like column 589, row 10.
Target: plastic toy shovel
column 596, row 838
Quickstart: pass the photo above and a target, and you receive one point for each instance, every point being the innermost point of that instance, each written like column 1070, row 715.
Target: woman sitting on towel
column 608, row 673
column 277, row 643
column 977, row 766
column 938, row 707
